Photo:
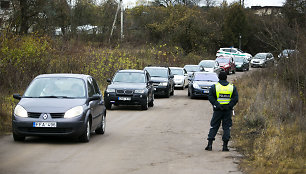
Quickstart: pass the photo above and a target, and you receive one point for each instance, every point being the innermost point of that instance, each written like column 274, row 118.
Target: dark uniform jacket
column 212, row 97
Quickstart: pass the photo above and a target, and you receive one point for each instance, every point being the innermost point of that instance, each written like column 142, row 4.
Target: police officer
column 223, row 96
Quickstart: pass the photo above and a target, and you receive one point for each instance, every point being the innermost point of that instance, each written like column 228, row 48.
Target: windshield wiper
column 52, row 96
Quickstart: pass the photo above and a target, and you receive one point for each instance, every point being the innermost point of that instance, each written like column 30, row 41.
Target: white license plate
column 124, row 98
column 44, row 124
column 205, row 92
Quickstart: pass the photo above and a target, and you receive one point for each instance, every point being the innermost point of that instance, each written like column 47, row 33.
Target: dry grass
column 269, row 128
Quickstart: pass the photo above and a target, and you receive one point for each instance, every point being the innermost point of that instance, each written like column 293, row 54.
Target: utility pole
column 121, row 33
column 121, row 6
column 239, row 41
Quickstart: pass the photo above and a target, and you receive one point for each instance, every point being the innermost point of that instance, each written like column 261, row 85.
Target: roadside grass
column 24, row 57
column 269, row 126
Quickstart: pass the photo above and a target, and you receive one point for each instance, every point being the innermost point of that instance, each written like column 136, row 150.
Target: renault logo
column 45, row 116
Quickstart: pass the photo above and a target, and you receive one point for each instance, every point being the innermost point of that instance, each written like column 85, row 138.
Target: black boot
column 225, row 148
column 209, row 145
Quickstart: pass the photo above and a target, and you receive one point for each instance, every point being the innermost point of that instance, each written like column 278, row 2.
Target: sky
column 248, row 3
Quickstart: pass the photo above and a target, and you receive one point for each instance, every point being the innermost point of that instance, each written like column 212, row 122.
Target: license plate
column 124, row 98
column 205, row 92
column 44, row 124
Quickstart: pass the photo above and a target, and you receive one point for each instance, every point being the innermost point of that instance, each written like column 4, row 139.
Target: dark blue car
column 60, row 105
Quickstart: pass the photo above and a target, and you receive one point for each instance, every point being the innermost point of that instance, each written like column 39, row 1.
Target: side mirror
column 171, row 76
column 109, row 80
column 150, row 82
column 94, row 97
column 17, row 96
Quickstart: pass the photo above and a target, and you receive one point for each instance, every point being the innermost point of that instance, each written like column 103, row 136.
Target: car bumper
column 161, row 90
column 178, row 84
column 200, row 92
column 254, row 65
column 64, row 127
column 135, row 99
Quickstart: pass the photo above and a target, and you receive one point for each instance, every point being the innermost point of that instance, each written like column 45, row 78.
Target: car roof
column 263, row 53
column 156, row 67
column 131, row 71
column 205, row 72
column 224, row 57
column 176, row 68
column 64, row 75
column 207, row 61
column 191, row 65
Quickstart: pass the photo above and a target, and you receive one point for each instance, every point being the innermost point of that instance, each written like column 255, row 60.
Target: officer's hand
column 221, row 107
column 226, row 107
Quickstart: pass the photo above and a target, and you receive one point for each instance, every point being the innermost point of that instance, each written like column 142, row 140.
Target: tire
column 228, row 72
column 101, row 128
column 167, row 94
column 151, row 103
column 172, row 93
column 233, row 72
column 145, row 105
column 108, row 105
column 188, row 92
column 85, row 137
column 18, row 137
column 192, row 96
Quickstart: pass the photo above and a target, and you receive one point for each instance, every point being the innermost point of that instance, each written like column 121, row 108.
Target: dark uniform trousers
column 226, row 118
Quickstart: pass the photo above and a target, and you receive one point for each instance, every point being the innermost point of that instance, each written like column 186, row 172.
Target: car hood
column 209, row 69
column 258, row 60
column 159, row 79
column 222, row 64
column 178, row 77
column 119, row 85
column 204, row 83
column 50, row 105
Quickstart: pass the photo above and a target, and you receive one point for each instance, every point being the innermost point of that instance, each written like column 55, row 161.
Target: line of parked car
column 73, row 105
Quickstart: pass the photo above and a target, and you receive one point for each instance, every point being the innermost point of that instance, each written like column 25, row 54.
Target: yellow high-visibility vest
column 224, row 93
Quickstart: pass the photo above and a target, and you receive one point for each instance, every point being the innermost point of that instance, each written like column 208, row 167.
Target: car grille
column 57, row 115
column 53, row 115
column 205, row 87
column 156, row 84
column 127, row 92
column 34, row 114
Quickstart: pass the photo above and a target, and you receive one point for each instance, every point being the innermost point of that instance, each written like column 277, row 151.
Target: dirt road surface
column 167, row 139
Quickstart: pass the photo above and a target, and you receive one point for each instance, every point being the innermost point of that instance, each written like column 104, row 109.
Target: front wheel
column 18, row 137
column 101, row 128
column 108, row 105
column 145, row 105
column 85, row 137
column 151, row 103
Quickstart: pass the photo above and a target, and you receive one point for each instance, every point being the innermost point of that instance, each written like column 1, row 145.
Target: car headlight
column 139, row 91
column 163, row 84
column 110, row 90
column 20, row 111
column 73, row 112
column 195, row 85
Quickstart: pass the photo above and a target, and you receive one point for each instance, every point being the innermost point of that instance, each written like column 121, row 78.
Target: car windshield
column 239, row 59
column 129, row 77
column 192, row 68
column 206, row 77
column 207, row 64
column 260, row 56
column 222, row 60
column 158, row 72
column 177, row 71
column 54, row 87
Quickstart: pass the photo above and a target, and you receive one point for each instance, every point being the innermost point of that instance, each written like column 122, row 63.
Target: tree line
column 181, row 23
